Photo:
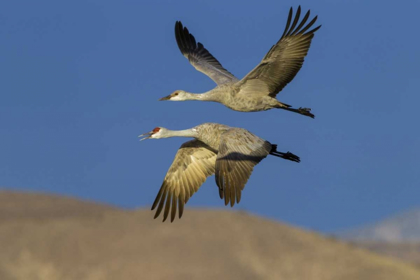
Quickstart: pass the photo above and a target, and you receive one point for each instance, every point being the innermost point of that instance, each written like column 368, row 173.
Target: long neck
column 206, row 96
column 181, row 133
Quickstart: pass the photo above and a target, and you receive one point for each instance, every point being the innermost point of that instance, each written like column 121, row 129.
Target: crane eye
column 176, row 93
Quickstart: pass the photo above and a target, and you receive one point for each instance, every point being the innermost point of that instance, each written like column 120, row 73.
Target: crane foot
column 306, row 112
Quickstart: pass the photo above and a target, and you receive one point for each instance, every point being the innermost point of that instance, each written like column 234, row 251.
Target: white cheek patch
column 175, row 98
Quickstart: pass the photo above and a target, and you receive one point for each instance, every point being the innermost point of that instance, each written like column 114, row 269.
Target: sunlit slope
column 405, row 251
column 72, row 239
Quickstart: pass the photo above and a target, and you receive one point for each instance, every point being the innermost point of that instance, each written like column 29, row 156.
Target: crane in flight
column 229, row 153
column 258, row 89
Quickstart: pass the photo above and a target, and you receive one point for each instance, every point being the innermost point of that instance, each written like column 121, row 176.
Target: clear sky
column 80, row 80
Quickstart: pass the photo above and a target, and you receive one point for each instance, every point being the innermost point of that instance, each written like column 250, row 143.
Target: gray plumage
column 229, row 153
column 258, row 89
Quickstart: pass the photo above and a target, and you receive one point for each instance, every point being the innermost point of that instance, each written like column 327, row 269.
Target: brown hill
column 399, row 228
column 406, row 251
column 397, row 236
column 49, row 237
column 38, row 206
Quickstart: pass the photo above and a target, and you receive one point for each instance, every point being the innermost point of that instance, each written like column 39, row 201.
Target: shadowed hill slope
column 63, row 238
column 397, row 236
column 402, row 227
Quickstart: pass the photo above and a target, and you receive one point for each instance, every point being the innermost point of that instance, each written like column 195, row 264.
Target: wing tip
column 185, row 40
column 291, row 30
column 178, row 26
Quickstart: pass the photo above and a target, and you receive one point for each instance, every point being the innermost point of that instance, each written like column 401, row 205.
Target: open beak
column 165, row 98
column 146, row 135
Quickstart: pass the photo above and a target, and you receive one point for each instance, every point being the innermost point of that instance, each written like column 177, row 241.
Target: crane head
column 156, row 133
column 177, row 95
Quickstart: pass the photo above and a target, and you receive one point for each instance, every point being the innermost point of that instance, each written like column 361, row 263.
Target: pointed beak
column 165, row 98
column 146, row 135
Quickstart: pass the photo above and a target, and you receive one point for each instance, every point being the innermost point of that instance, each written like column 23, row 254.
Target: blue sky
column 80, row 80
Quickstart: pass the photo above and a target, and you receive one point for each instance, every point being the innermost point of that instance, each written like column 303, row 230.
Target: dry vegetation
column 49, row 237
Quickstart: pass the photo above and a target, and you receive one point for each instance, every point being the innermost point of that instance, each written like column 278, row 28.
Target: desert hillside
column 50, row 237
column 407, row 251
column 397, row 236
column 402, row 227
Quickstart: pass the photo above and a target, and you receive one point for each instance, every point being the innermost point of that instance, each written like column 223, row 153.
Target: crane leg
column 302, row 111
column 288, row 155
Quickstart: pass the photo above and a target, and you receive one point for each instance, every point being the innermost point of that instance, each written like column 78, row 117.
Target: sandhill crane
column 258, row 89
column 229, row 153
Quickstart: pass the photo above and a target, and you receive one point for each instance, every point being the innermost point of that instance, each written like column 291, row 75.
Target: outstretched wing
column 193, row 163
column 239, row 152
column 200, row 57
column 283, row 61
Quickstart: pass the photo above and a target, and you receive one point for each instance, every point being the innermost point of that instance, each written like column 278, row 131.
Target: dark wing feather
column 239, row 152
column 193, row 163
column 200, row 57
column 283, row 61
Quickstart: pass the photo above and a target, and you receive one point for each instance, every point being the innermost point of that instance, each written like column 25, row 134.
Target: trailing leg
column 302, row 111
column 287, row 155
